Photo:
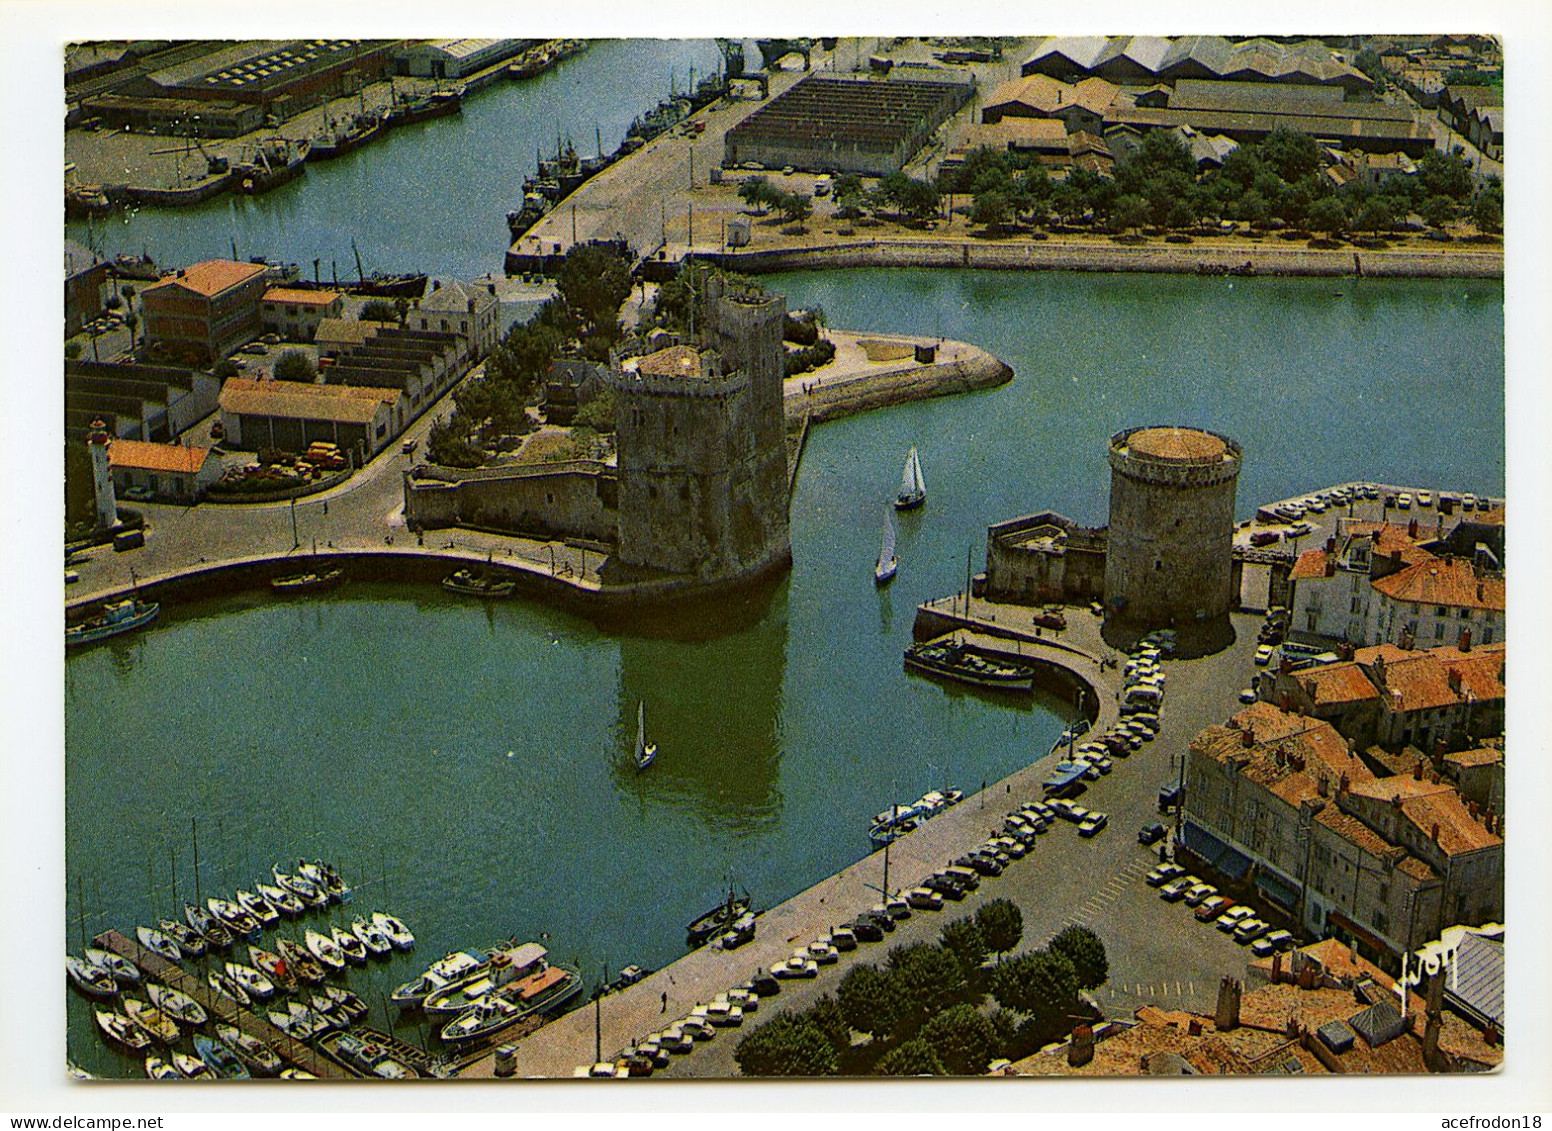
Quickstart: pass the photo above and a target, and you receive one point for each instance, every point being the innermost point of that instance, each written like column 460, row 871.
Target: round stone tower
column 1169, row 558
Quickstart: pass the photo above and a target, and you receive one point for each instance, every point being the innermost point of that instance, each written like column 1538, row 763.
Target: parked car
column 796, row 968
column 409, row 446
column 945, row 887
column 1213, row 906
column 967, row 878
column 885, row 923
column 1404, row 501
column 1150, row 833
column 984, row 864
column 1273, row 943
column 866, row 930
column 1251, row 929
column 924, row 899
column 1093, row 825
column 1233, row 917
column 1175, row 890
column 1263, row 655
column 1163, row 874
column 1199, row 892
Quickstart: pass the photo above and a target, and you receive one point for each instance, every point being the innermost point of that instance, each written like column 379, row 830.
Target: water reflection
column 711, row 677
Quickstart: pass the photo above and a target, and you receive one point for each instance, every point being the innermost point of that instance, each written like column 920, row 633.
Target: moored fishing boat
column 220, row 984
column 190, row 941
column 220, row 1058
column 159, row 943
column 234, row 918
column 152, row 1021
column 89, row 978
column 342, row 137
column 257, row 905
column 324, row 949
column 192, row 1067
column 253, row 1052
column 299, row 963
column 544, row 987
column 124, row 972
column 309, row 582
column 472, row 584
column 177, row 1004
column 116, row 618
column 959, row 662
column 488, row 1016
column 158, row 1069
column 371, row 936
column 282, row 900
column 118, row 1030
column 275, row 161
column 717, row 920
column 449, row 970
column 397, row 932
column 351, row 947
column 437, row 104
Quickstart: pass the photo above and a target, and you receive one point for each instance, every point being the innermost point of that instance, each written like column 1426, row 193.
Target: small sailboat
column 158, row 1069
column 225, row 987
column 397, row 932
column 177, row 1004
column 913, row 488
column 157, row 942
column 353, row 948
column 301, row 965
column 283, row 901
column 190, row 941
column 152, row 1021
column 124, row 972
column 90, row 979
column 120, row 1031
column 324, row 949
column 371, row 936
column 884, row 571
column 645, row 751
column 252, row 1051
column 259, row 907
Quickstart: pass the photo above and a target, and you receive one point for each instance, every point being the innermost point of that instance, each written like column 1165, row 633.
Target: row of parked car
column 1210, row 906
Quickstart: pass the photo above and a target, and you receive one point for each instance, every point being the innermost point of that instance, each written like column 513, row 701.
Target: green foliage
column 1001, row 924
column 851, row 198
column 1086, row 951
column 1444, row 174
column 1328, row 215
column 826, row 1016
column 1368, row 61
column 1161, row 155
column 1042, row 985
column 758, row 193
column 1129, row 212
column 867, row 1002
column 448, row 444
column 1437, row 211
column 72, row 350
column 112, row 302
column 808, row 358
column 295, row 365
column 795, row 207
column 598, row 413
column 224, row 368
column 802, row 331
column 908, row 197
column 913, row 1058
column 1377, row 215
column 593, row 281
column 1487, row 211
column 964, row 939
column 1252, row 207
column 379, row 310
column 963, row 1038
column 1289, row 153
column 1470, row 76
column 926, row 980
column 787, row 1046
column 992, row 208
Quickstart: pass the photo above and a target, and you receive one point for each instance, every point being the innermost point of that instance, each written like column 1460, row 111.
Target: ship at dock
column 342, row 137
column 953, row 660
column 274, row 162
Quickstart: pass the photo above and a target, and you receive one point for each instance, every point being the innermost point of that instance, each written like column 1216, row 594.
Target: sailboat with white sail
column 913, row 488
column 884, row 571
column 645, row 751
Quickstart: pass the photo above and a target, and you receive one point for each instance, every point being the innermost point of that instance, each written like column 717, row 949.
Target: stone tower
column 702, row 448
column 1168, row 562
column 102, row 480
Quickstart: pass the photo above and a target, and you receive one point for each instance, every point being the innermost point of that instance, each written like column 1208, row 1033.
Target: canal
column 468, row 766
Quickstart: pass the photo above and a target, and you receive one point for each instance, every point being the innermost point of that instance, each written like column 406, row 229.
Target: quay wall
column 1171, row 259
column 559, row 502
column 911, row 382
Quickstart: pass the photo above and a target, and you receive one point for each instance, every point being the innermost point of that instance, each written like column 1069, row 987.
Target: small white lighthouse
column 102, row 481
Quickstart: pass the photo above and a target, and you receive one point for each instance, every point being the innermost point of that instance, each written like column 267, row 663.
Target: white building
column 454, row 58
column 463, row 309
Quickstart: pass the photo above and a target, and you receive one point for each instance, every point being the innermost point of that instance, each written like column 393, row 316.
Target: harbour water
column 468, row 766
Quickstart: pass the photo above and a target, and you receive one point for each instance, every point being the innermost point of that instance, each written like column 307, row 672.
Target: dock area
column 295, row 1053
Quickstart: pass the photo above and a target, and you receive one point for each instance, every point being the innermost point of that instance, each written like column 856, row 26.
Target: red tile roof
column 1458, row 832
column 1451, row 582
column 1311, row 563
column 211, row 277
column 1336, row 683
column 1350, row 828
column 301, row 298
column 141, row 456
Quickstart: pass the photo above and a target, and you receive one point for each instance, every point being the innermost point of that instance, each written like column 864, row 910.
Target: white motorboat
column 371, row 935
column 120, row 1031
column 352, row 948
column 177, row 1004
column 159, row 943
column 257, row 984
column 397, row 932
column 282, row 900
column 324, row 949
column 124, row 972
column 457, row 967
column 90, row 978
column 257, row 905
column 300, row 886
column 221, row 984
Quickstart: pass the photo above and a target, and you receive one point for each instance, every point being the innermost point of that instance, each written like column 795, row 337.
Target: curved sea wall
column 1104, row 256
column 911, row 381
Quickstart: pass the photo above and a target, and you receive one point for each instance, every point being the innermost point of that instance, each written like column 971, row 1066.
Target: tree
column 1487, row 211
column 991, row 208
column 926, row 980
column 594, row 282
column 1041, row 984
column 1068, row 203
column 1289, row 153
column 850, row 196
column 1375, row 216
column 826, row 1016
column 1328, row 215
column 1252, row 207
column 448, row 444
column 913, row 1058
column 1161, row 154
column 920, row 200
column 380, row 310
column 1130, row 212
column 757, row 193
column 1001, row 924
column 1086, row 951
column 787, row 1046
column 295, row 365
column 131, row 323
column 964, row 1039
column 1437, row 211
column 795, row 207
column 965, row 940
column 72, row 350
column 1444, row 174
column 867, row 1002
column 598, row 413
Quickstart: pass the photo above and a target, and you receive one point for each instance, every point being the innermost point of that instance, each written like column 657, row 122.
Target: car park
column 409, row 446
column 1011, row 847
column 1103, row 764
column 1163, row 874
column 1093, row 826
column 1198, row 892
column 1213, row 906
column 1263, row 655
column 982, row 862
column 1175, row 890
column 1150, row 833
column 140, row 494
column 923, row 899
column 675, row 1040
column 1316, row 505
column 1468, row 501
column 1233, row 917
column 1118, row 746
column 724, row 1014
column 271, row 339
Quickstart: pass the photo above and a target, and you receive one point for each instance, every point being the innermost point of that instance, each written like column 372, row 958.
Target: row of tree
column 920, row 1013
